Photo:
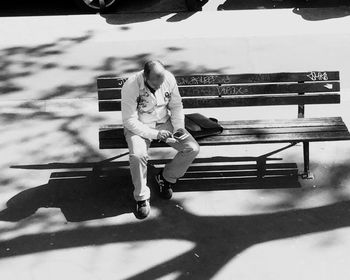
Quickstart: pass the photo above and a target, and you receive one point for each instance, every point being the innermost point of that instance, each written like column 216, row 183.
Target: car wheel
column 96, row 5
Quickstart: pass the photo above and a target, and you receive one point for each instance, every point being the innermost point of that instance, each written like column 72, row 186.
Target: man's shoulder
column 170, row 76
column 134, row 78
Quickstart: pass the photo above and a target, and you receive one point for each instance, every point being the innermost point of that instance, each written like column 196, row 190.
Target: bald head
column 153, row 67
column 154, row 72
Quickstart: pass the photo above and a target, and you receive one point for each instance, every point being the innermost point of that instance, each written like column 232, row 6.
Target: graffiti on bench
column 213, row 91
column 203, row 80
column 318, row 76
column 232, row 91
column 121, row 81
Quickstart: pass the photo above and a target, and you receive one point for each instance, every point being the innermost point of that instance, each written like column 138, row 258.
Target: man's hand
column 163, row 135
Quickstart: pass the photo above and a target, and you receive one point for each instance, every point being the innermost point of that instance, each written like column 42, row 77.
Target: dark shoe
column 165, row 187
column 143, row 209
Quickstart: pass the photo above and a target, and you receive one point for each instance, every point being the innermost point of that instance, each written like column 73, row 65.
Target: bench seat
column 249, row 89
column 251, row 132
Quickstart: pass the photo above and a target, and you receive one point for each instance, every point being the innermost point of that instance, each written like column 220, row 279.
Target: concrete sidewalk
column 88, row 231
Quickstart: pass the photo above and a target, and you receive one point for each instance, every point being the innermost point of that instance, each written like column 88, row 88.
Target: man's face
column 155, row 80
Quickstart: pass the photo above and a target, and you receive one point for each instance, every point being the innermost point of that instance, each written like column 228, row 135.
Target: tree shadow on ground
column 314, row 14
column 308, row 10
column 279, row 4
column 83, row 196
column 137, row 11
column 120, row 19
column 39, row 8
column 24, row 62
column 57, row 110
column 106, row 191
column 217, row 239
column 68, row 7
column 21, row 62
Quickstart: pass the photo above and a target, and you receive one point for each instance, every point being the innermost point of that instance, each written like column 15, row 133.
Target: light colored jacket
column 142, row 110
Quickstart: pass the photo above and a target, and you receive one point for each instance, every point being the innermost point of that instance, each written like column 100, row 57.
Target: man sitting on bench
column 152, row 108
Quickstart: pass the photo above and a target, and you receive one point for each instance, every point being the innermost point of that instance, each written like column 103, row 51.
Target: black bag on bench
column 200, row 126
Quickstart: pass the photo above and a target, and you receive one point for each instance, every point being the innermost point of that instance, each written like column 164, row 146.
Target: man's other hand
column 163, row 135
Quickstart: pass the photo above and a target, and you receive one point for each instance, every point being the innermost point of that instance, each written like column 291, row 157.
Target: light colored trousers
column 187, row 149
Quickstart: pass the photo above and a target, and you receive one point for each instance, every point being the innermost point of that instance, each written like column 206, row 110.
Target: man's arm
column 130, row 94
column 176, row 107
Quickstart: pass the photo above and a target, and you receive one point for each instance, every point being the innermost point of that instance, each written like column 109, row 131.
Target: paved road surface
column 88, row 231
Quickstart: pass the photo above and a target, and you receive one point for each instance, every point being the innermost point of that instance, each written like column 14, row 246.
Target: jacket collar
column 141, row 80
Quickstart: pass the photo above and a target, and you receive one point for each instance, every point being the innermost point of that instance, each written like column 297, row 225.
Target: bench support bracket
column 98, row 166
column 261, row 160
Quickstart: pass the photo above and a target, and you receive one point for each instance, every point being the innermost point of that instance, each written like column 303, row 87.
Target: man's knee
column 196, row 148
column 139, row 157
column 192, row 148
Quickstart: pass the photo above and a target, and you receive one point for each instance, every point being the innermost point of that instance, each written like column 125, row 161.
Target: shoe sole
column 157, row 177
column 142, row 215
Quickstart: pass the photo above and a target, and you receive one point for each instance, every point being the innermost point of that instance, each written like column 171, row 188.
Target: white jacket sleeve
column 130, row 94
column 176, row 107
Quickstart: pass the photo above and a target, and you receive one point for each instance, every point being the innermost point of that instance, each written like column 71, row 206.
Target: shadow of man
column 81, row 196
column 107, row 190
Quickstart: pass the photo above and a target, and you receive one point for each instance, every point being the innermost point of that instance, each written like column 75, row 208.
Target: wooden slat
column 275, row 138
column 113, row 144
column 238, row 101
column 247, row 127
column 262, row 123
column 278, row 130
column 258, row 78
column 110, row 82
column 296, row 122
column 110, row 126
column 111, row 133
column 118, row 133
column 270, row 166
column 266, row 89
column 246, row 139
column 117, row 82
column 229, row 183
column 111, row 105
column 109, row 93
column 115, row 134
column 216, row 159
column 235, row 173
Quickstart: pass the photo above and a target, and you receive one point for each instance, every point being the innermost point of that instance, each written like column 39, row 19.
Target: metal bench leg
column 261, row 167
column 306, row 151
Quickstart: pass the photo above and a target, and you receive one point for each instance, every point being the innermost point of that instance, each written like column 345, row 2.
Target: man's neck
column 149, row 87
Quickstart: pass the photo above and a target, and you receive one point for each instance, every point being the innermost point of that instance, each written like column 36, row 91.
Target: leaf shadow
column 279, row 4
column 106, row 192
column 315, row 14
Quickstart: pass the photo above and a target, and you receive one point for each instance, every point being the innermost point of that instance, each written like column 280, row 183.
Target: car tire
column 96, row 6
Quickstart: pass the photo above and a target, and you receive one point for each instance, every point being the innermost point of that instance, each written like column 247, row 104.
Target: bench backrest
column 203, row 91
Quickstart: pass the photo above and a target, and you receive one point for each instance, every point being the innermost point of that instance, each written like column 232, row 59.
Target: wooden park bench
column 217, row 91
